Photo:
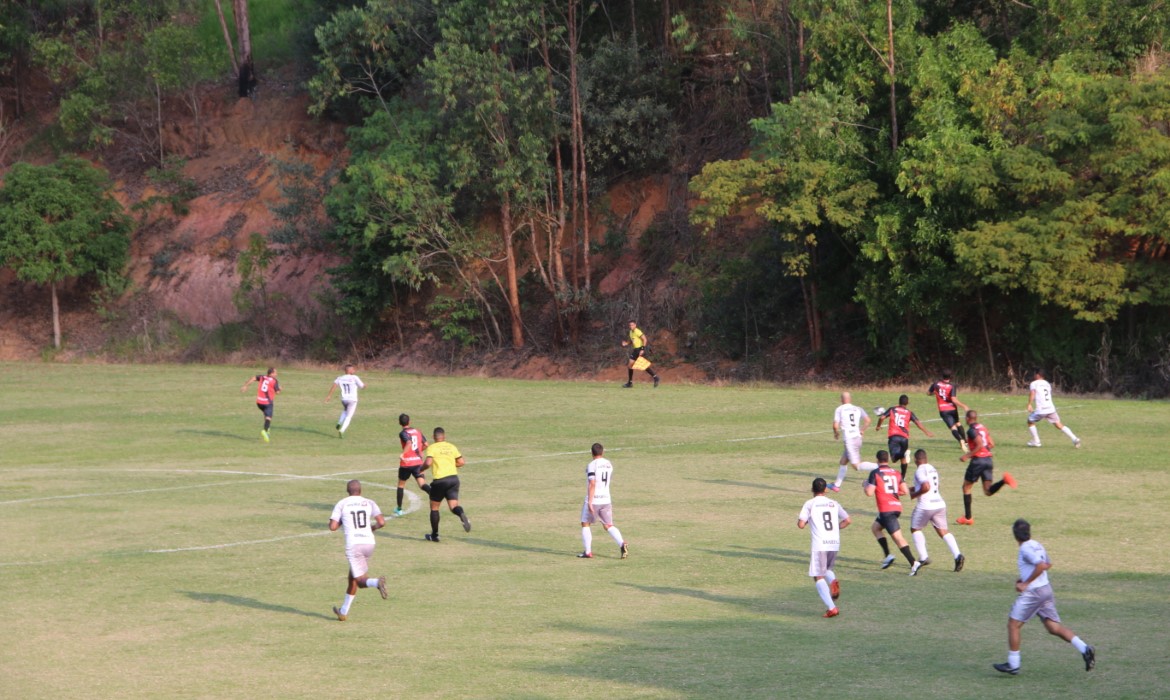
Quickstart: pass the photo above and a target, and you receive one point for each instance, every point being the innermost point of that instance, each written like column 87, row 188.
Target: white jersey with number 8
column 824, row 516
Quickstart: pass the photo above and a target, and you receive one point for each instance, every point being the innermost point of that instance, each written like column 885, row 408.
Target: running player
column 825, row 518
column 410, row 462
column 637, row 343
column 944, row 393
column 268, row 386
column 980, row 468
column 444, row 461
column 1035, row 598
column 931, row 508
column 349, row 383
column 1041, row 407
column 898, row 436
column 886, row 486
column 358, row 517
column 598, row 503
column 849, row 424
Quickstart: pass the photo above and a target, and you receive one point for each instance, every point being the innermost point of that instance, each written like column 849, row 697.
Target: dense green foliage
column 914, row 182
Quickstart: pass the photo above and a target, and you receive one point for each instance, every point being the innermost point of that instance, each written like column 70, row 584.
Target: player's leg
column 919, row 538
column 586, row 541
column 899, row 538
column 842, row 468
column 1087, row 652
column 992, row 489
column 1013, row 658
column 824, row 591
column 347, row 414
column 453, row 504
column 422, row 483
column 434, row 536
column 1076, row 441
column 966, row 519
column 398, row 494
column 1034, row 433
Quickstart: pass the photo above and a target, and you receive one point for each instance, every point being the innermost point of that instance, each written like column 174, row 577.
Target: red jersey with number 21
column 888, row 483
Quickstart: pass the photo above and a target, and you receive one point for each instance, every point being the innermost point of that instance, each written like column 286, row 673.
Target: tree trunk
column 510, row 272
column 893, row 74
column 227, row 37
column 244, row 37
column 56, row 316
column 578, row 130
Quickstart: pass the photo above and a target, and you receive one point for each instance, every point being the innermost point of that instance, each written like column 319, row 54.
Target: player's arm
column 921, row 427
column 379, row 522
column 801, row 523
column 881, row 419
column 333, row 525
column 869, row 486
column 245, row 387
column 867, row 421
column 1031, row 398
column 1041, row 567
column 459, row 461
column 932, row 389
column 845, row 523
column 589, row 494
column 426, row 464
column 974, row 443
column 958, row 403
column 836, row 429
column 330, row 394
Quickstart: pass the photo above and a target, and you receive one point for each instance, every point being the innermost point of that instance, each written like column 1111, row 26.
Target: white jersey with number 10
column 356, row 513
column 600, row 472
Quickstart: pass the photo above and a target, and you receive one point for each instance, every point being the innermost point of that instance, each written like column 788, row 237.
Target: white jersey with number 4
column 356, row 514
column 349, row 383
column 600, row 472
column 849, row 418
column 1042, row 397
column 931, row 500
column 824, row 516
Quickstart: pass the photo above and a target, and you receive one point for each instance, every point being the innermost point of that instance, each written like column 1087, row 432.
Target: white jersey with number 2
column 1042, row 393
column 356, row 514
column 600, row 472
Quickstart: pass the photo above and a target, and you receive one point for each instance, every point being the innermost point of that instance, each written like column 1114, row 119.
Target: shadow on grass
column 747, row 484
column 790, row 556
column 307, row 431
column 251, row 603
column 512, row 547
column 218, row 434
column 759, row 605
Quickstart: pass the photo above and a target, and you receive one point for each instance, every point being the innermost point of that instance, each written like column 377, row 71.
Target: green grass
column 102, row 466
column 276, row 27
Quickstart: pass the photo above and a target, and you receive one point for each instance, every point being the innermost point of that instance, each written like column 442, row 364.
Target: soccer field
column 154, row 546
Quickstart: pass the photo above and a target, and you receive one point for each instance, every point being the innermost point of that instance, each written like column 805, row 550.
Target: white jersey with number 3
column 824, row 516
column 600, row 472
column 931, row 500
column 849, row 418
column 356, row 514
column 349, row 384
column 1042, row 397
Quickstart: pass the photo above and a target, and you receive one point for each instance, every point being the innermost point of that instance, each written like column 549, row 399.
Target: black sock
column 995, row 487
column 434, row 522
column 426, row 488
column 885, row 546
column 267, row 423
column 957, row 433
column 630, row 380
column 651, row 373
column 967, row 505
column 458, row 511
column 903, row 471
column 400, row 492
column 906, row 553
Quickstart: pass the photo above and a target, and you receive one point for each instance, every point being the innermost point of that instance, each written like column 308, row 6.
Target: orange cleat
column 965, row 521
column 835, row 589
column 833, row 613
column 1009, row 480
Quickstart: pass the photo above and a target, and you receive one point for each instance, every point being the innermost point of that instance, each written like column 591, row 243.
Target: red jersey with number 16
column 888, row 483
column 413, row 446
column 900, row 418
column 943, row 391
column 266, row 389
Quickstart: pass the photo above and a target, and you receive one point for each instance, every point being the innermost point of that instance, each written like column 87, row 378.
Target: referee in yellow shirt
column 637, row 343
column 444, row 460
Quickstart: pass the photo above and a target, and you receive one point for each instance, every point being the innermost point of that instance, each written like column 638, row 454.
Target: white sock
column 587, row 538
column 1068, row 431
column 1013, row 659
column 823, row 591
column 841, row 474
column 616, row 534
column 952, row 543
column 372, row 582
column 920, row 544
column 830, row 576
column 1035, row 433
column 1079, row 644
column 345, row 605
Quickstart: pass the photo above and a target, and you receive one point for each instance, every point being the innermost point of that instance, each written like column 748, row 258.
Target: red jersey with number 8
column 413, row 445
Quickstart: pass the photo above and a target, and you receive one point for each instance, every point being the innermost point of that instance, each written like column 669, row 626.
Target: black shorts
column 951, row 418
column 405, row 473
column 898, row 447
column 447, row 487
column 635, row 353
column 889, row 521
column 978, row 468
column 265, row 408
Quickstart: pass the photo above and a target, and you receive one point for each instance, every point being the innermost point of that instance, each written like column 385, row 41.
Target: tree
column 59, row 222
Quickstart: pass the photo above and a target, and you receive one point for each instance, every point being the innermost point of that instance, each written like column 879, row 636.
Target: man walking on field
column 598, row 503
column 638, row 343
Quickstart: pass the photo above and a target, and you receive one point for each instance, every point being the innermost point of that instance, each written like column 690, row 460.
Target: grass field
column 153, row 546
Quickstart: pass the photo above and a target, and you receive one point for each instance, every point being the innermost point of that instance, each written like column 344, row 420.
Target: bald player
column 358, row 517
column 849, row 423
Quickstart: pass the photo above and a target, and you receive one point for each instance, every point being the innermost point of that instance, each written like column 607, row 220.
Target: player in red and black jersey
column 268, row 386
column 980, row 467
column 886, row 486
column 898, row 437
column 944, row 393
column 414, row 447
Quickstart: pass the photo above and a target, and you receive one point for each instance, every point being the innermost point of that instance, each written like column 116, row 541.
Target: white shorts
column 359, row 559
column 820, row 563
column 920, row 518
column 604, row 514
column 852, row 451
column 1035, row 601
column 1052, row 418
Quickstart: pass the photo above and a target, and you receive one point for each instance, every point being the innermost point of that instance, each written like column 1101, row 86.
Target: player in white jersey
column 358, row 517
column 825, row 518
column 1035, row 598
column 1041, row 407
column 932, row 509
column 849, row 424
column 349, row 384
column 598, row 503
